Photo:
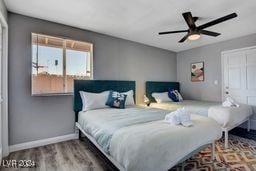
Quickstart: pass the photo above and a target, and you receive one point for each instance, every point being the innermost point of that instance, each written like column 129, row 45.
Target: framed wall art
column 197, row 71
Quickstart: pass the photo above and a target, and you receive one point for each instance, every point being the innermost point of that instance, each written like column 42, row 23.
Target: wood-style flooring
column 76, row 155
column 73, row 155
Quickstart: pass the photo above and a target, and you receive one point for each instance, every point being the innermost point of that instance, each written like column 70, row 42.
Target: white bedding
column 158, row 146
column 228, row 116
column 139, row 139
column 225, row 116
column 193, row 106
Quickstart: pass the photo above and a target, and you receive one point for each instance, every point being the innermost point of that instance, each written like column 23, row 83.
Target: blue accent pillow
column 174, row 95
column 116, row 100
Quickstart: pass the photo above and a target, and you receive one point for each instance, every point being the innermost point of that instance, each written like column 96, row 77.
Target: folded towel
column 230, row 102
column 172, row 119
column 185, row 118
column 180, row 116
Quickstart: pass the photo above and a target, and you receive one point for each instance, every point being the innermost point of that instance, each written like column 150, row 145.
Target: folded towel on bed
column 230, row 102
column 180, row 116
column 172, row 118
column 185, row 118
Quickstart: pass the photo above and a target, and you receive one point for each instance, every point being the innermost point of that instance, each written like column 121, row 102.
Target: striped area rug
column 240, row 156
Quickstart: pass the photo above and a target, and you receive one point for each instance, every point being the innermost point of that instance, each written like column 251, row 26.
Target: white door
column 1, row 40
column 239, row 76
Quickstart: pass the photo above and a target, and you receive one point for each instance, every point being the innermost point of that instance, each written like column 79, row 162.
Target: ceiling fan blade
column 209, row 33
column 195, row 19
column 184, row 38
column 217, row 21
column 189, row 19
column 170, row 32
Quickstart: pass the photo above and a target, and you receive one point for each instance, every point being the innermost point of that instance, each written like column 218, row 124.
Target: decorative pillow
column 161, row 97
column 93, row 100
column 116, row 100
column 175, row 95
column 129, row 98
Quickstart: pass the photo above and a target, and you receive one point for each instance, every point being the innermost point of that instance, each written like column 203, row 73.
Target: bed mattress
column 140, row 139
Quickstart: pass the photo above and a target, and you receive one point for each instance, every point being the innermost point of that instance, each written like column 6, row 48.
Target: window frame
column 64, row 57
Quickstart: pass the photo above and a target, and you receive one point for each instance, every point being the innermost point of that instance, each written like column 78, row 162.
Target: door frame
column 5, row 137
column 223, row 53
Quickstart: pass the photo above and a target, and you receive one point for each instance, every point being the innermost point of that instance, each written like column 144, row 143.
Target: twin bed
column 137, row 138
column 227, row 117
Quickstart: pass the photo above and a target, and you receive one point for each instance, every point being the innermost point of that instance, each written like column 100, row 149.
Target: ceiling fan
column 194, row 32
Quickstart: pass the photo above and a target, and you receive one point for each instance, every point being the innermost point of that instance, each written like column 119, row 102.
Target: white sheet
column 139, row 138
column 229, row 116
column 158, row 146
column 225, row 116
column 193, row 106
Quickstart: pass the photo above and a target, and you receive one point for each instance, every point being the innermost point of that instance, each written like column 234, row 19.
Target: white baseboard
column 42, row 142
column 253, row 124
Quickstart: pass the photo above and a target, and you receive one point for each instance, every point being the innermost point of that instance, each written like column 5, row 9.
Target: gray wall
column 211, row 55
column 34, row 118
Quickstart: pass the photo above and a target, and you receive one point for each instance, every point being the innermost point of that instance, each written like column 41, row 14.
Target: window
column 57, row 62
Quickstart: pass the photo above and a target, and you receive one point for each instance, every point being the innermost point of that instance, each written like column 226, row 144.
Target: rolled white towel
column 227, row 104
column 185, row 117
column 180, row 116
column 230, row 102
column 172, row 118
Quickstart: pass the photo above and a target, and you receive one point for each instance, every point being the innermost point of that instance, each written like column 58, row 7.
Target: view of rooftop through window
column 56, row 62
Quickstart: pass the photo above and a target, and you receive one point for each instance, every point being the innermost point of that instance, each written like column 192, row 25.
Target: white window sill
column 53, row 94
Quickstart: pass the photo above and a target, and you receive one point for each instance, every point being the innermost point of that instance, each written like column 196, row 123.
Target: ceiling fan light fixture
column 194, row 32
column 194, row 36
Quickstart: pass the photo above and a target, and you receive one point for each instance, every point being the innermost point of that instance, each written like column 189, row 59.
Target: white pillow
column 93, row 100
column 161, row 97
column 129, row 98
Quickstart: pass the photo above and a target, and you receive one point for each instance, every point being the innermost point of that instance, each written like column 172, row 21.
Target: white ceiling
column 141, row 20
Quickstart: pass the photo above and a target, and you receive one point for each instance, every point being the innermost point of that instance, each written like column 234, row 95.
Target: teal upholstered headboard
column 97, row 86
column 155, row 86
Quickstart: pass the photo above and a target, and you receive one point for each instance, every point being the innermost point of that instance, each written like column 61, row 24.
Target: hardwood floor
column 74, row 155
